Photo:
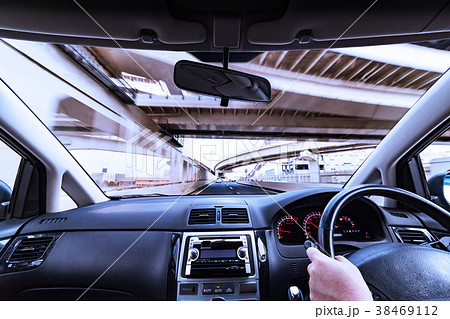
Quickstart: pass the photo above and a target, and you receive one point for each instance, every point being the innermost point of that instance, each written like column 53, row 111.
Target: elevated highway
column 284, row 151
column 324, row 94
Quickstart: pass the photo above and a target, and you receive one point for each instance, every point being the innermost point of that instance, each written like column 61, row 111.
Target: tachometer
column 311, row 224
column 289, row 231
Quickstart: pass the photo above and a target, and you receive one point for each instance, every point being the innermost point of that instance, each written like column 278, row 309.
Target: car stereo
column 218, row 265
column 217, row 257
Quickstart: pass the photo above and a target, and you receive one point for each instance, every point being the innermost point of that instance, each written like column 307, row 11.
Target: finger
column 309, row 268
column 315, row 254
column 312, row 296
column 341, row 258
column 312, row 253
column 317, row 296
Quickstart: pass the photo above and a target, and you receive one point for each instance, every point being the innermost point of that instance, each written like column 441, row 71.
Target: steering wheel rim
column 335, row 205
column 394, row 271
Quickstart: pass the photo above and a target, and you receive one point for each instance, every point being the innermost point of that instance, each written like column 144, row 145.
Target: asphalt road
column 229, row 188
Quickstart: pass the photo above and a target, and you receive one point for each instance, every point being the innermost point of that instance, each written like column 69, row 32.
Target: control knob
column 193, row 254
column 242, row 253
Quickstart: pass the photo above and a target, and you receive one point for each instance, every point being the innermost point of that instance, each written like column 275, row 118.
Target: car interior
column 387, row 219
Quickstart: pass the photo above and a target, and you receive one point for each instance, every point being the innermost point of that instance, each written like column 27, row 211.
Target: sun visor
column 345, row 20
column 441, row 22
column 122, row 20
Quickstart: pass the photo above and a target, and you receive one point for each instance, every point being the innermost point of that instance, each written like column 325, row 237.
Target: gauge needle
column 314, row 225
column 285, row 231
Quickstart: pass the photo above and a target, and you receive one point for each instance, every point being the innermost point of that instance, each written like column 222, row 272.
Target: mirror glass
column 447, row 187
column 225, row 83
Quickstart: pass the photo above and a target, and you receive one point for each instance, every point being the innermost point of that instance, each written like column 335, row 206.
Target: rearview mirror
column 221, row 82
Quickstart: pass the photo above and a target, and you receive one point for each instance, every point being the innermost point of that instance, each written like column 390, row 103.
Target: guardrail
column 285, row 186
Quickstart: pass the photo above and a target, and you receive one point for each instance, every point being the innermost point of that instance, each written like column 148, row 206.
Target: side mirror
column 221, row 82
column 3, row 210
column 439, row 187
column 5, row 197
column 446, row 187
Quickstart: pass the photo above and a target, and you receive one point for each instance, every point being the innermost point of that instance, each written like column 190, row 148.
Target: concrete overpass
column 285, row 151
column 324, row 94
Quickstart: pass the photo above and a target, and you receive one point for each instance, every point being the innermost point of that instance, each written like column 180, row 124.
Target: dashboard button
column 229, row 289
column 217, row 288
column 188, row 289
column 207, row 291
column 248, row 287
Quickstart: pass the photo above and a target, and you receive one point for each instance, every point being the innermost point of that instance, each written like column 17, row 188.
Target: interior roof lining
column 164, row 27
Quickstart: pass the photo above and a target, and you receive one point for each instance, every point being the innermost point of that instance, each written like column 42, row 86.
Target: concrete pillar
column 314, row 171
column 185, row 166
column 189, row 174
column 202, row 174
column 176, row 167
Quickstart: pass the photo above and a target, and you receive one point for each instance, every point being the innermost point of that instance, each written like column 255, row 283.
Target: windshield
column 135, row 133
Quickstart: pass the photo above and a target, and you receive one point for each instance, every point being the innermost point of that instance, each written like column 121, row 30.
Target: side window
column 436, row 163
column 436, row 158
column 9, row 166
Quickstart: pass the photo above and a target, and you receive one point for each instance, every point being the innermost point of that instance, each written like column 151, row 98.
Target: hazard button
column 247, row 287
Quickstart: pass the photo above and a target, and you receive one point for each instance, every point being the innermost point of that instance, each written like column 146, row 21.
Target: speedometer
column 311, row 224
column 289, row 230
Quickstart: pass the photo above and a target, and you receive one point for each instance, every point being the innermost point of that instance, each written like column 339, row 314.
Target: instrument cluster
column 295, row 229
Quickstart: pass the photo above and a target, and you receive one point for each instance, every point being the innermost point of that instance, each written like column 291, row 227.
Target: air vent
column 30, row 249
column 413, row 236
column 202, row 216
column 55, row 220
column 295, row 268
column 234, row 216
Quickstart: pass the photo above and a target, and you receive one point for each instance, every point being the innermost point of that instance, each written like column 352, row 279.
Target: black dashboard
column 187, row 248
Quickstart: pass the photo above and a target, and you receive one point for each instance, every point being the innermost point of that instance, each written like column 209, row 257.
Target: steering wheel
column 395, row 271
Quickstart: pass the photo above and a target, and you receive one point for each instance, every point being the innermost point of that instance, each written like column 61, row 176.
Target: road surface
column 229, row 188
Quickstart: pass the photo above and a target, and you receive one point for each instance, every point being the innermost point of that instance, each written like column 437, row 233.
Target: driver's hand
column 336, row 279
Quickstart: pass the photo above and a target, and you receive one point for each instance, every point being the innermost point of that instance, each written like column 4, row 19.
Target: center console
column 218, row 266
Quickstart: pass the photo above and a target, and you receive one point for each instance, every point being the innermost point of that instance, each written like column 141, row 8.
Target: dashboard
column 247, row 247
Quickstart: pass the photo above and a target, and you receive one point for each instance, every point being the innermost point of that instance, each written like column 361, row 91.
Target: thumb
column 315, row 254
column 342, row 259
